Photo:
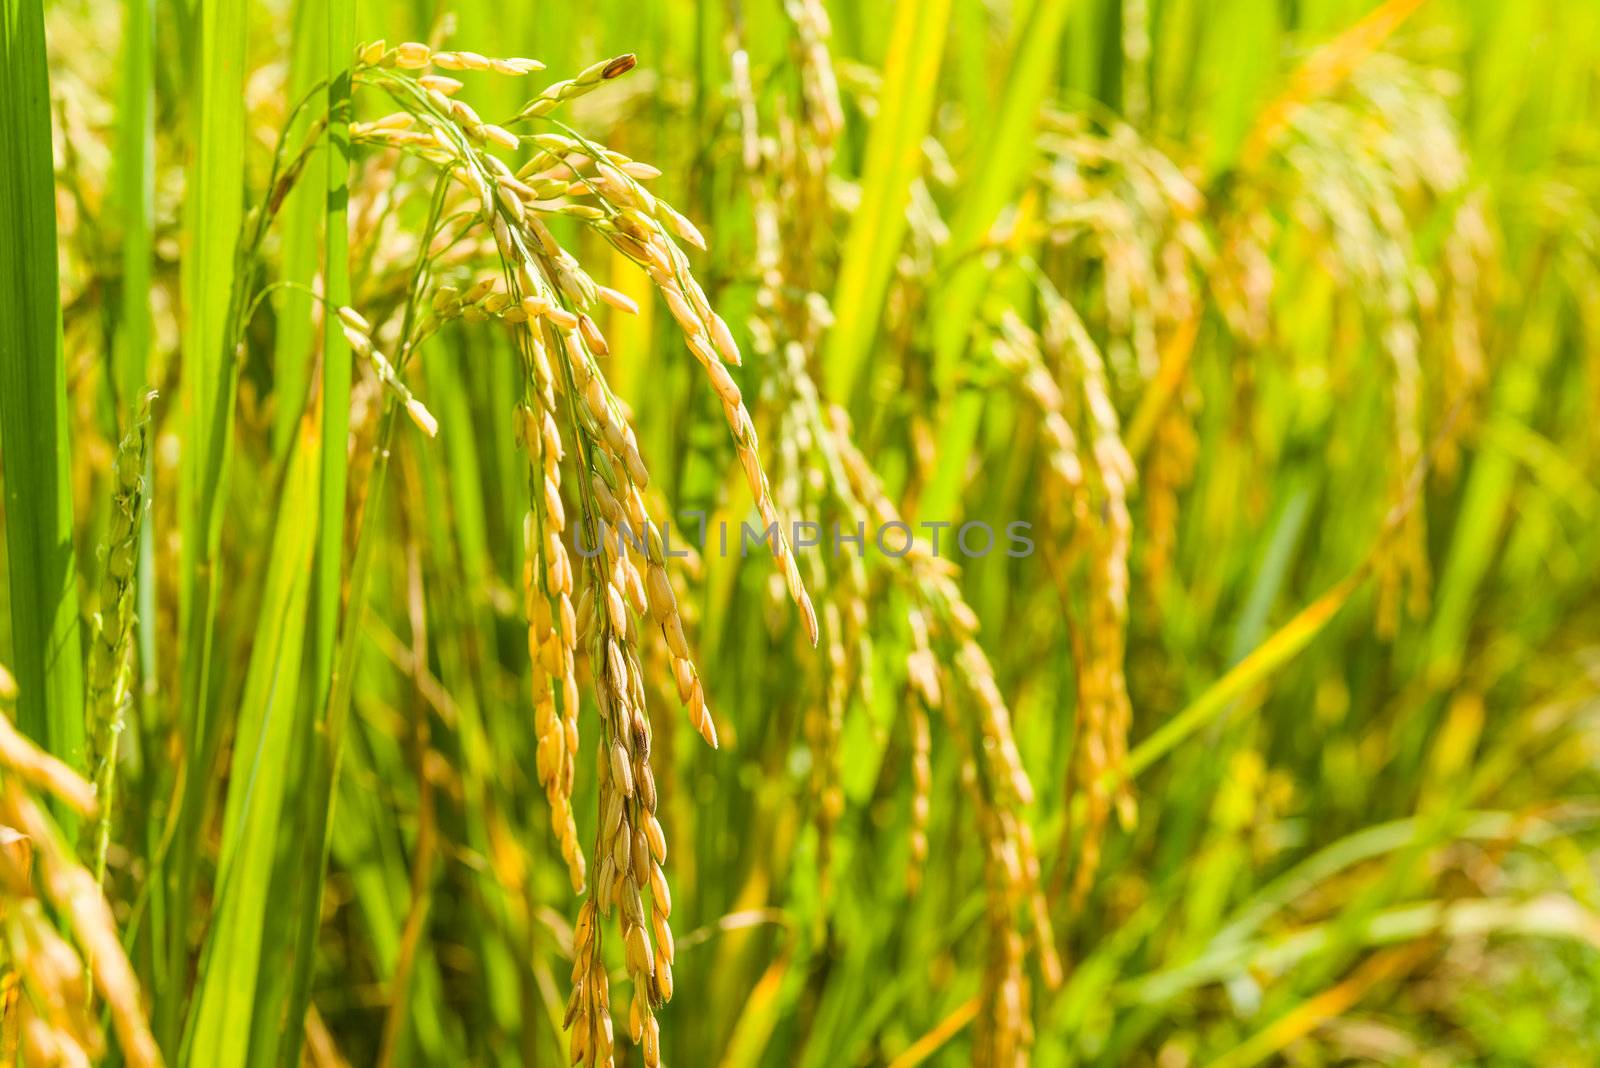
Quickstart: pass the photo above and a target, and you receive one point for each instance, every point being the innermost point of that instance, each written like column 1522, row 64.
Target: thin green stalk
column 1001, row 165
column 227, row 992
column 210, row 379
column 111, row 660
column 336, row 361
column 894, row 159
column 135, row 192
column 329, row 738
column 303, row 211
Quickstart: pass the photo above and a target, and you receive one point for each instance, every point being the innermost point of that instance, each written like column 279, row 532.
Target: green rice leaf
column 894, row 159
column 33, row 402
column 263, row 764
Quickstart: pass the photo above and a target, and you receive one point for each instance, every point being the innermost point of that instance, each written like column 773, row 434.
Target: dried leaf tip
column 619, row 66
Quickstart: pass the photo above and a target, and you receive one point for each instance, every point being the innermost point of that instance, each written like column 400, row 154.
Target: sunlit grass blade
column 1003, row 160
column 212, row 221
column 313, row 213
column 321, row 763
column 894, row 159
column 336, row 357
column 757, row 1017
column 930, row 1044
column 213, row 224
column 1284, row 644
column 135, row 187
column 132, row 339
column 263, row 765
column 300, row 227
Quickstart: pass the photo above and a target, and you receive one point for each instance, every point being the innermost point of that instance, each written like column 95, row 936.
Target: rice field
column 800, row 532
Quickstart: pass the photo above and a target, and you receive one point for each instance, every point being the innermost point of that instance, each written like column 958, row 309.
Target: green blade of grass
column 33, row 401
column 336, row 363
column 131, row 343
column 212, row 223
column 225, row 997
column 1223, row 695
column 1259, row 665
column 1002, row 164
column 135, row 197
column 1358, row 847
column 322, row 760
column 299, row 225
column 1551, row 916
column 135, row 193
column 894, row 158
column 323, row 46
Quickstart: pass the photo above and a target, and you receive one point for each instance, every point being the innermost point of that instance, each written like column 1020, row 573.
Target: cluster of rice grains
column 948, row 671
column 1118, row 208
column 577, row 436
column 1356, row 170
column 1121, row 227
column 111, row 669
column 1125, row 229
column 787, row 163
column 47, row 982
column 1086, row 504
column 822, row 475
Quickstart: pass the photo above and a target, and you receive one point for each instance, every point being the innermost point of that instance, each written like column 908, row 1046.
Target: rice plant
column 798, row 532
